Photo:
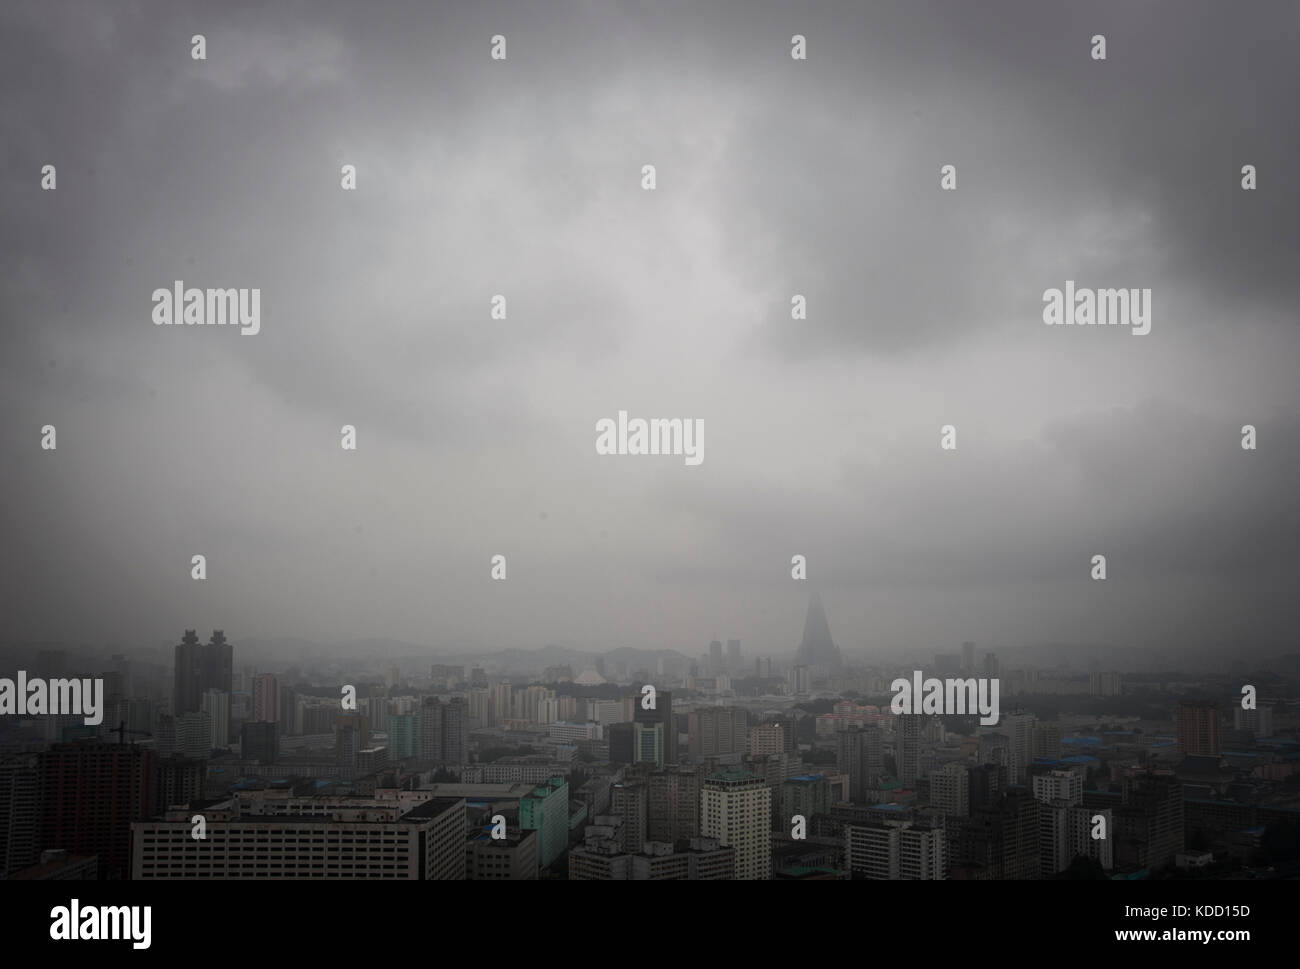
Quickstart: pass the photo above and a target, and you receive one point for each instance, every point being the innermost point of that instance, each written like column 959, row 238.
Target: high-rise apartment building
column 630, row 800
column 1065, row 832
column 216, row 706
column 431, row 730
column 860, row 755
column 180, row 781
column 1257, row 722
column 1198, row 728
column 737, row 811
column 1059, row 785
column 733, row 657
column 90, row 793
column 546, row 810
column 907, row 750
column 455, row 731
column 194, row 734
column 648, row 743
column 716, row 731
column 714, row 666
column 259, row 742
column 896, row 851
column 1000, row 840
column 201, row 667
column 1066, row 826
column 512, row 858
column 1019, row 730
column 1104, row 683
column 1148, row 827
column 403, row 736
column 1047, row 740
column 988, row 782
column 662, row 714
column 806, row 795
column 950, row 789
column 767, row 738
column 673, row 811
column 266, row 697
column 19, row 812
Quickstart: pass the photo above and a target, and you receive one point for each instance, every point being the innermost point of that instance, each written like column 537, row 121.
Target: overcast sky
column 775, row 177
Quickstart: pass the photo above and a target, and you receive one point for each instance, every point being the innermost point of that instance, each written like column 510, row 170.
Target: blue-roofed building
column 805, row 795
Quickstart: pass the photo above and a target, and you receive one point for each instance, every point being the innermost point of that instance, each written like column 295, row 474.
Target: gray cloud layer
column 775, row 177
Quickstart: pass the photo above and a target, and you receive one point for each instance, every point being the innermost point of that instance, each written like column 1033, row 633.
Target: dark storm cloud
column 775, row 177
column 1125, row 172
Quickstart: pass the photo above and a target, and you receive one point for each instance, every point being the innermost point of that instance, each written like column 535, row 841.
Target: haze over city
column 649, row 440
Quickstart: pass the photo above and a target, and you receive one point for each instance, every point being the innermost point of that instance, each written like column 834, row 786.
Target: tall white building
column 528, row 701
column 799, row 680
column 502, row 704
column 897, row 851
column 1066, row 828
column 605, row 712
column 1059, row 785
column 736, row 809
column 1084, row 826
column 548, row 708
column 1066, row 832
column 922, row 854
column 216, row 705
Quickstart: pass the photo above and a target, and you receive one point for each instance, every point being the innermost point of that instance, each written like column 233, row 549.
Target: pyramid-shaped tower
column 817, row 648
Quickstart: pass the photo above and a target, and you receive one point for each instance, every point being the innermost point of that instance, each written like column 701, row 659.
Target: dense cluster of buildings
column 710, row 769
